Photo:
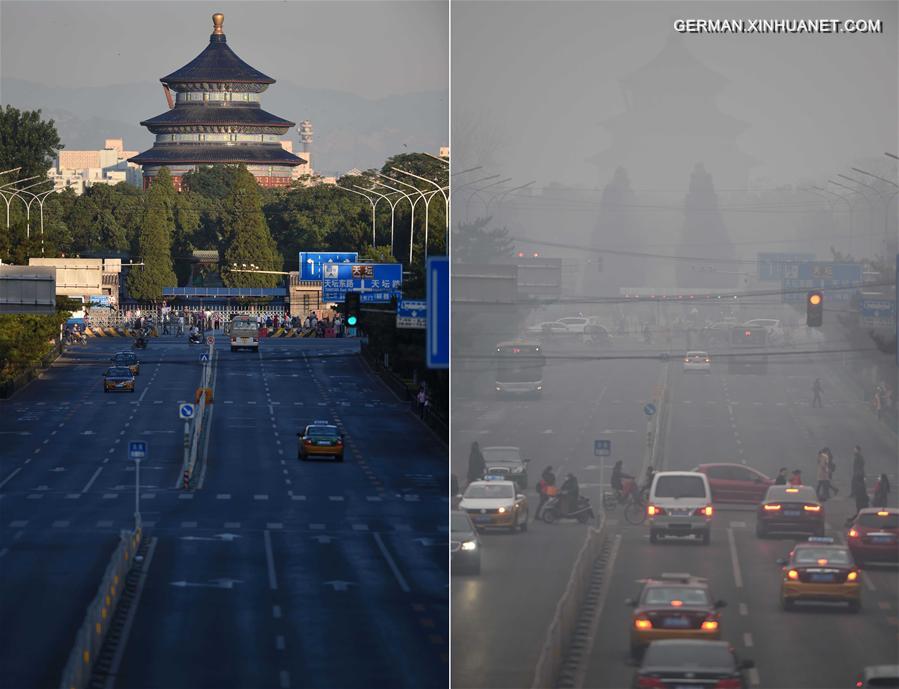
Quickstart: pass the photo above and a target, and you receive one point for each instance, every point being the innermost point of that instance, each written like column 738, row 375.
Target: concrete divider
column 561, row 629
column 192, row 443
column 90, row 637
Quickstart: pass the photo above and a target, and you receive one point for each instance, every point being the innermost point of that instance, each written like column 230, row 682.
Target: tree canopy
column 27, row 141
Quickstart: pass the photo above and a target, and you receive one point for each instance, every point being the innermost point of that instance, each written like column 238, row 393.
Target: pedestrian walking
column 858, row 468
column 475, row 463
column 831, row 469
column 881, row 491
column 420, row 398
column 816, row 392
column 822, row 490
column 860, row 492
column 426, row 409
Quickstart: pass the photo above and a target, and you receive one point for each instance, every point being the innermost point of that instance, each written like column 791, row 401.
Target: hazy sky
column 371, row 49
column 533, row 83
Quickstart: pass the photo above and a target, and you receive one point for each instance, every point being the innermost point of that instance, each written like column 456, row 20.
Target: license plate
column 881, row 539
column 791, row 513
column 482, row 519
column 687, row 686
column 323, row 443
column 676, row 622
column 822, row 577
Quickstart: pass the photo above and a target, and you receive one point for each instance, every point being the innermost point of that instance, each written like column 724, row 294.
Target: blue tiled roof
column 217, row 63
column 241, row 115
column 259, row 154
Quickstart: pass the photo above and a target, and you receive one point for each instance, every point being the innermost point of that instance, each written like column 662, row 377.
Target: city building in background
column 79, row 170
column 215, row 116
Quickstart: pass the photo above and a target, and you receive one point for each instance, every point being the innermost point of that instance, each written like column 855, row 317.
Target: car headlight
column 502, row 510
column 517, row 470
column 470, row 545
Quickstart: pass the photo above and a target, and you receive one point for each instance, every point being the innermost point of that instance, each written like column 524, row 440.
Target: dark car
column 465, row 546
column 505, row 462
column 874, row 535
column 790, row 509
column 736, row 482
column 118, row 378
column 127, row 359
column 671, row 664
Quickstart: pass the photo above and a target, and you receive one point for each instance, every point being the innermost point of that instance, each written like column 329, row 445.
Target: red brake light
column 729, row 683
column 772, row 508
column 853, row 533
column 852, row 576
column 812, row 508
column 650, row 683
column 793, row 574
column 654, row 510
column 642, row 623
column 710, row 625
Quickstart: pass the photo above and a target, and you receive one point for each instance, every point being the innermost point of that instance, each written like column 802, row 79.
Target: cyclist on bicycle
column 617, row 481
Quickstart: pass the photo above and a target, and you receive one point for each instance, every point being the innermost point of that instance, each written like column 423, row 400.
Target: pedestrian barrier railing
column 561, row 629
column 90, row 637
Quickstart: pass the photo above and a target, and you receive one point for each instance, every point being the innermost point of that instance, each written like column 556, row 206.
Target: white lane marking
column 186, row 496
column 276, row 612
column 223, row 496
column 270, row 561
column 744, row 610
column 73, row 496
column 8, row 478
column 738, row 577
column 284, row 679
column 738, row 525
column 279, row 642
column 274, row 525
column 317, row 527
column 868, row 583
column 747, row 639
column 106, row 523
column 232, row 525
column 141, row 398
column 335, row 498
column 18, row 524
column 373, row 498
column 188, row 525
column 4, row 551
column 260, row 497
column 754, row 677
column 61, row 524
column 297, row 497
column 396, row 572
column 91, row 482
column 360, row 527
column 110, row 496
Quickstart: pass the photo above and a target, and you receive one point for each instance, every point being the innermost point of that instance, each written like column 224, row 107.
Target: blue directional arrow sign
column 602, row 448
column 137, row 450
column 204, row 357
column 186, row 411
column 438, row 312
column 649, row 409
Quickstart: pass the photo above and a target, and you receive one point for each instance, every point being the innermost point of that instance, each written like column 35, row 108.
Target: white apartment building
column 82, row 169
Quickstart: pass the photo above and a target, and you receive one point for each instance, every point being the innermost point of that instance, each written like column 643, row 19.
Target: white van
column 680, row 504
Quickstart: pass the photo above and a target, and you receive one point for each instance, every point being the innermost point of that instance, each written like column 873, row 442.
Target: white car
column 495, row 504
column 548, row 328
column 680, row 504
column 697, row 361
column 771, row 325
column 577, row 324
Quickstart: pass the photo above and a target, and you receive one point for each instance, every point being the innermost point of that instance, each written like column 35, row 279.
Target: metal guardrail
column 568, row 610
column 192, row 441
column 90, row 637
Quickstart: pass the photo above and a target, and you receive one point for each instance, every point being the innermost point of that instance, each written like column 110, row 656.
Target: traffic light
column 351, row 309
column 814, row 308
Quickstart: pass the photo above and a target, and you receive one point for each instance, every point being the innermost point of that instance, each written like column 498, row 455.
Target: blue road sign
column 602, row 448
column 438, row 312
column 381, row 280
column 775, row 265
column 877, row 308
column 649, row 409
column 838, row 280
column 411, row 314
column 204, row 357
column 137, row 450
column 311, row 262
column 186, row 411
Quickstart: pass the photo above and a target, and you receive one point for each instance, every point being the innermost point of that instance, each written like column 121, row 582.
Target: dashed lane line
column 92, row 479
column 738, row 577
column 10, row 477
column 393, row 568
column 270, row 561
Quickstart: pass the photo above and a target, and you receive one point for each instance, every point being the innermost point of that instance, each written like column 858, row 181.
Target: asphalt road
column 500, row 618
column 266, row 571
column 766, row 422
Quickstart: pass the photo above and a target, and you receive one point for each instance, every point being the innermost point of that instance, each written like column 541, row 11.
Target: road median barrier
column 92, row 633
column 561, row 630
column 195, row 428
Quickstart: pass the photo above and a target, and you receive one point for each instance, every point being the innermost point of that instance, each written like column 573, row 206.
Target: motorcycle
column 552, row 510
column 195, row 339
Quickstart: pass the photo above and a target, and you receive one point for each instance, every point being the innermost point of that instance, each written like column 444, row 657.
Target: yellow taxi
column 118, row 379
column 320, row 439
column 673, row 606
column 495, row 504
column 128, row 359
column 820, row 570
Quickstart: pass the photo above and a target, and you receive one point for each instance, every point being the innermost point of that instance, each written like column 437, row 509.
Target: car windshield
column 501, row 455
column 488, row 490
column 663, row 595
column 125, row 358
column 890, row 520
column 321, row 432
column 119, row 373
column 680, row 487
column 811, row 556
column 701, row 654
column 459, row 523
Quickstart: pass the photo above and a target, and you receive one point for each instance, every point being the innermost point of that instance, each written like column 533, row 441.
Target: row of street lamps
column 10, row 194
column 886, row 198
column 427, row 197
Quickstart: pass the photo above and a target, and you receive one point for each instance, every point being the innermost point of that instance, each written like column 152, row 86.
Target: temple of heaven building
column 216, row 118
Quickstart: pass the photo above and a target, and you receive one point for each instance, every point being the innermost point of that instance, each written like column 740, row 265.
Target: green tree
column 27, row 141
column 377, row 254
column 474, row 243
column 247, row 237
column 145, row 283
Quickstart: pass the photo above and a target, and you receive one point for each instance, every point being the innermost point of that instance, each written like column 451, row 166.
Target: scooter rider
column 569, row 494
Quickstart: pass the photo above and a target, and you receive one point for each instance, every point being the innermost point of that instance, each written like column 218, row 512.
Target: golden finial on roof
column 217, row 20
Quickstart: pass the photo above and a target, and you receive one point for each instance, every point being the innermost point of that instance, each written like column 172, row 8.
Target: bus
column 244, row 332
column 748, row 349
column 519, row 368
